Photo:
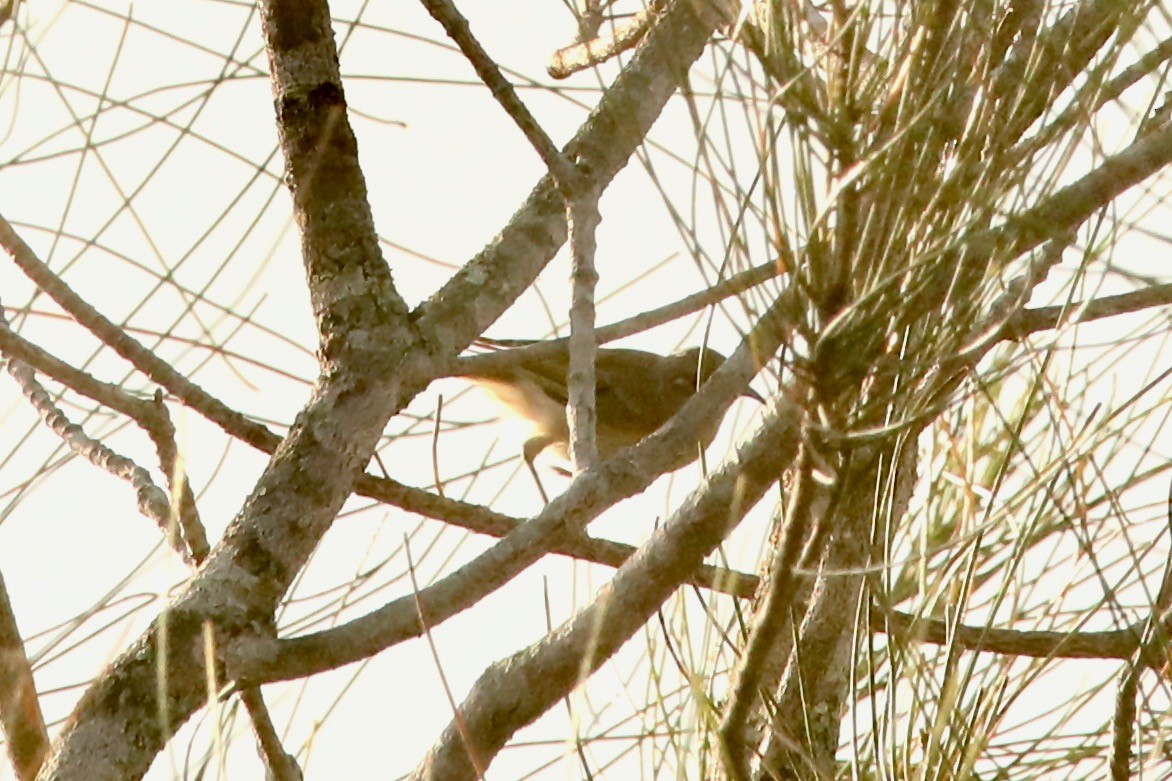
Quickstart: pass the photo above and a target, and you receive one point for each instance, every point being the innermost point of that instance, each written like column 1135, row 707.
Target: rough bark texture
column 375, row 358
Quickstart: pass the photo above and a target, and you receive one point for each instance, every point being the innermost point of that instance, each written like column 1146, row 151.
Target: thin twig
column 456, row 26
column 150, row 415
column 582, row 221
column 281, row 765
column 162, row 433
column 576, row 57
column 435, row 474
column 152, row 500
column 480, row 765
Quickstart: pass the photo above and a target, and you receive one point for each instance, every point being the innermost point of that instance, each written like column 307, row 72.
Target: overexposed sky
column 147, row 130
column 138, row 158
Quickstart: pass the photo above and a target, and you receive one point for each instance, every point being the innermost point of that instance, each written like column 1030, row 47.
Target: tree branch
column 458, row 29
column 374, row 361
column 116, row 730
column 620, row 477
column 25, row 736
column 514, row 692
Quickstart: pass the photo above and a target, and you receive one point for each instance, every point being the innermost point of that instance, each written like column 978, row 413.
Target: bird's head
column 698, row 363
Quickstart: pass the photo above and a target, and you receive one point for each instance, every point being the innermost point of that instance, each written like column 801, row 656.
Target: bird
column 636, row 392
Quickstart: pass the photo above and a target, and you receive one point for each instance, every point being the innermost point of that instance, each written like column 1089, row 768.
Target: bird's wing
column 630, row 392
column 637, row 403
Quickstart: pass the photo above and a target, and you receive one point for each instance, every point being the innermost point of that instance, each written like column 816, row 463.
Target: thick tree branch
column 514, row 692
column 615, row 479
column 481, row 290
column 370, row 369
column 769, row 620
column 116, row 730
column 1072, row 205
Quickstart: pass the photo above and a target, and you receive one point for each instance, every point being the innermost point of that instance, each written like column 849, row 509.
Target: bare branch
column 561, row 520
column 1029, row 321
column 280, row 764
column 516, row 691
column 569, row 60
column 152, row 500
column 25, row 736
column 456, row 26
column 770, row 618
column 1123, row 722
column 583, row 219
column 519, row 353
column 151, row 416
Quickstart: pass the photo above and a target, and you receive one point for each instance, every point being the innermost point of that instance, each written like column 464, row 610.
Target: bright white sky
column 445, row 169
